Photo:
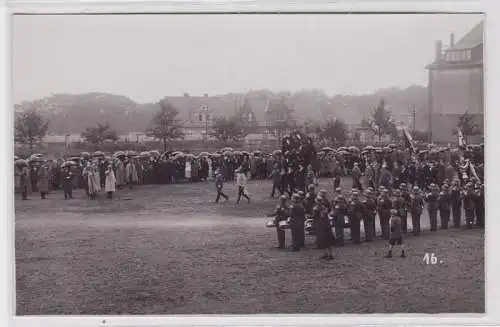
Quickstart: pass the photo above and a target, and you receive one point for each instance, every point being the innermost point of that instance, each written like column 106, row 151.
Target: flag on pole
column 409, row 141
column 461, row 139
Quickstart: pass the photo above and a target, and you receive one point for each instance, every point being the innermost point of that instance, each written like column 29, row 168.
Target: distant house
column 262, row 113
column 278, row 115
column 456, row 84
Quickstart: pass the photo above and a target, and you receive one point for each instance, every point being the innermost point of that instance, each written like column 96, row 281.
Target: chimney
column 452, row 40
column 186, row 95
column 439, row 50
column 205, row 95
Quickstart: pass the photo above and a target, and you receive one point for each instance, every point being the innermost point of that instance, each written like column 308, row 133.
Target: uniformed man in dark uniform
column 281, row 213
column 479, row 203
column 302, row 197
column 310, row 198
column 432, row 205
column 355, row 210
column 339, row 212
column 384, row 205
column 290, row 178
column 297, row 220
column 276, row 178
column 369, row 214
column 405, row 192
column 326, row 203
column 444, row 202
column 300, row 177
column 324, row 237
column 469, row 205
column 456, row 203
column 416, row 208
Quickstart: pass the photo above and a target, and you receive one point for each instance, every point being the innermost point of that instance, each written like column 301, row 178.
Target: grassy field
column 170, row 250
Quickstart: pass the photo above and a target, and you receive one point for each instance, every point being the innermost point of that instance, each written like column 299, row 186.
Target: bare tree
column 381, row 122
column 227, row 130
column 335, row 130
column 164, row 125
column 96, row 135
column 30, row 128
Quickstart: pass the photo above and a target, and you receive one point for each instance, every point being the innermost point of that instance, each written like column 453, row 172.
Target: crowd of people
column 388, row 183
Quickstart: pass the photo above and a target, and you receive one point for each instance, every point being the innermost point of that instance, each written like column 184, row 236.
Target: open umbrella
column 69, row 163
column 98, row 154
column 35, row 156
column 204, row 154
column 119, row 154
column 369, row 148
column 20, row 162
column 327, row 149
column 227, row 149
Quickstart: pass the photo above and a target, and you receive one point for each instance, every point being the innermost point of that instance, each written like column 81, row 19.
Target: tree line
column 30, row 127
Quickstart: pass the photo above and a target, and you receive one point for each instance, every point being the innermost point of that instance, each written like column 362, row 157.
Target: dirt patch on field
column 174, row 251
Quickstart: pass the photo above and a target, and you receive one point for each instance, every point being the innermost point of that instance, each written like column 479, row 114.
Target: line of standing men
column 363, row 208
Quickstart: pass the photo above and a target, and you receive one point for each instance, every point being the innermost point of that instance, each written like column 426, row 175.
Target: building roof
column 474, row 38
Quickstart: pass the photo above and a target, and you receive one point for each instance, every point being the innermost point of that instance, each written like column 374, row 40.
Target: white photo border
column 492, row 174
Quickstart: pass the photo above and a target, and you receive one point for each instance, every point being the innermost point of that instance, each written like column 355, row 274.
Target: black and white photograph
column 180, row 164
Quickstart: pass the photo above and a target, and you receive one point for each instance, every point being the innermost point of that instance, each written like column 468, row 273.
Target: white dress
column 187, row 170
column 110, row 182
column 210, row 172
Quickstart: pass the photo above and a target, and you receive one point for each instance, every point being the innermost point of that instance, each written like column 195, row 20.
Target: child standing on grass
column 396, row 234
column 219, row 184
column 67, row 183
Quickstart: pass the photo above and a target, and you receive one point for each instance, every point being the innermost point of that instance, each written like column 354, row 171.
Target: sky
column 147, row 57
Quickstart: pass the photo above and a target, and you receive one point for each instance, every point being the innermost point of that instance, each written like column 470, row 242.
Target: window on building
column 200, row 117
column 208, row 117
column 468, row 55
column 448, row 56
